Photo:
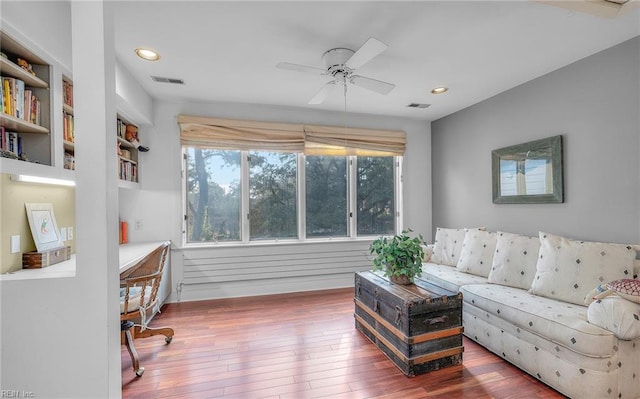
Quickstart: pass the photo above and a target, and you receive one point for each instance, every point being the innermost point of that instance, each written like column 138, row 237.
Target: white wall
column 51, row 32
column 60, row 338
column 159, row 203
column 594, row 105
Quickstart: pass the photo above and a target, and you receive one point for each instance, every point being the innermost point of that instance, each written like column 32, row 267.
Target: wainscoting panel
column 231, row 271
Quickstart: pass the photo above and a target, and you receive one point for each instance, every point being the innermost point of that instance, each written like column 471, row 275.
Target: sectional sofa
column 525, row 299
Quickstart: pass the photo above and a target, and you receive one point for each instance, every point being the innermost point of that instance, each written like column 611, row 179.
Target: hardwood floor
column 298, row 346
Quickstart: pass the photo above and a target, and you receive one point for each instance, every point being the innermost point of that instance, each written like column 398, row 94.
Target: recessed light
column 147, row 54
column 439, row 90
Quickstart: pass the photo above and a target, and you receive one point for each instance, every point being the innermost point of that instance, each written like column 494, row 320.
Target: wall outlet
column 63, row 233
column 138, row 224
column 15, row 244
column 70, row 233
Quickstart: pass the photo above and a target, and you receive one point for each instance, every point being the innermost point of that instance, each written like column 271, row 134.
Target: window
column 272, row 195
column 326, row 196
column 375, row 196
column 243, row 196
column 213, row 195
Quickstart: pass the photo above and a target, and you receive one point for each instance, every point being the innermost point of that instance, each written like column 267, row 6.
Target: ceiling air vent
column 160, row 79
column 418, row 105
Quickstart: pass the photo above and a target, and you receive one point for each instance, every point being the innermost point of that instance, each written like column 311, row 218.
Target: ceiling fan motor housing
column 335, row 59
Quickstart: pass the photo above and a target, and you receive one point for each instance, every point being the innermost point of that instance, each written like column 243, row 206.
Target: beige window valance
column 335, row 140
column 311, row 139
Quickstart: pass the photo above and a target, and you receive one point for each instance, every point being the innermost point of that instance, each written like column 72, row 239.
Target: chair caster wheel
column 140, row 371
column 168, row 340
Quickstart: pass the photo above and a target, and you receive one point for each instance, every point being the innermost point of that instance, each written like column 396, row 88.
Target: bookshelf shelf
column 12, row 123
column 127, row 160
column 124, row 143
column 68, row 146
column 8, row 68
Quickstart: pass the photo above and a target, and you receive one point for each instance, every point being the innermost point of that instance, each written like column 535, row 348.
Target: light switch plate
column 15, row 244
column 70, row 233
column 63, row 233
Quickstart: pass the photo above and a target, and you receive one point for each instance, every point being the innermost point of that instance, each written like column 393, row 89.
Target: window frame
column 301, row 204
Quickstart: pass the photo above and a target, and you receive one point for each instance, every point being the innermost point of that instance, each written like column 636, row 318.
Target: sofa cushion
column 560, row 322
column 568, row 270
column 448, row 277
column 617, row 315
column 514, row 261
column 477, row 251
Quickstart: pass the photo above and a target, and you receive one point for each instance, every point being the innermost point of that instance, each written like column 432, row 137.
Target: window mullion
column 244, row 195
column 302, row 197
column 351, row 197
column 397, row 183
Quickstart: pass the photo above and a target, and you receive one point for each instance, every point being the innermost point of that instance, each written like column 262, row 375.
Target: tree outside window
column 375, row 196
column 326, row 196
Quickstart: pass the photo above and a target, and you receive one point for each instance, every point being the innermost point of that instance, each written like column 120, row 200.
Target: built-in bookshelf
column 127, row 153
column 25, row 118
column 68, row 132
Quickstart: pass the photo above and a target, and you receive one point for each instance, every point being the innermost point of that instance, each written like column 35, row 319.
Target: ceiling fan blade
column 372, row 84
column 369, row 50
column 301, row 68
column 324, row 93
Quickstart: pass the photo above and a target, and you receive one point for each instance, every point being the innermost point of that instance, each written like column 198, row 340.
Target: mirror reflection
column 528, row 173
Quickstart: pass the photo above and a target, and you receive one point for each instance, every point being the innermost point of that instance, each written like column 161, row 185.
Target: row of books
column 128, row 171
column 10, row 141
column 67, row 125
column 19, row 101
column 121, row 128
column 67, row 93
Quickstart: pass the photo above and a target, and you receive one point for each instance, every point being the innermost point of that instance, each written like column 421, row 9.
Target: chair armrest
column 616, row 314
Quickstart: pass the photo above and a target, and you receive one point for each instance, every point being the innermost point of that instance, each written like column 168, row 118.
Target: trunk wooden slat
column 418, row 326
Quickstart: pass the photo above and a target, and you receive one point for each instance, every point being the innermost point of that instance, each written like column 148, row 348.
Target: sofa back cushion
column 514, row 261
column 477, row 251
column 448, row 245
column 568, row 270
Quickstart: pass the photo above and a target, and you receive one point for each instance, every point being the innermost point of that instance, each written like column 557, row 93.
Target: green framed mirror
column 528, row 173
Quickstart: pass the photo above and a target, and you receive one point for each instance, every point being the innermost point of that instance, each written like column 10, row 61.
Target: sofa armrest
column 428, row 251
column 615, row 314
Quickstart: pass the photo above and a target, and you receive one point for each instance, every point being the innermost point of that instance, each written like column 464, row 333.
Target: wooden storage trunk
column 34, row 260
column 419, row 326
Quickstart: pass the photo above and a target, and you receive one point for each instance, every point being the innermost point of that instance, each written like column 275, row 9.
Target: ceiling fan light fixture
column 147, row 54
column 440, row 90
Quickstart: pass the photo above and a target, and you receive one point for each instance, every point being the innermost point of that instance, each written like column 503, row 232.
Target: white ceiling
column 227, row 51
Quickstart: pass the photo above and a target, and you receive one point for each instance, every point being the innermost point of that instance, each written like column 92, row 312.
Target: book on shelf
column 67, row 93
column 68, row 132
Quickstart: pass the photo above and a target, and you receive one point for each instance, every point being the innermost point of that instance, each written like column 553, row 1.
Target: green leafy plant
column 400, row 256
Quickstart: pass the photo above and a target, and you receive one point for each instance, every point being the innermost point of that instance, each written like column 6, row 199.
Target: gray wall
column 594, row 104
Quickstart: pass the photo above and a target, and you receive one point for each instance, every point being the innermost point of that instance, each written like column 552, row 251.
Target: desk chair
column 139, row 300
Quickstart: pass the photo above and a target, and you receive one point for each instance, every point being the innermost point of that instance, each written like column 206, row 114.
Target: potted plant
column 400, row 256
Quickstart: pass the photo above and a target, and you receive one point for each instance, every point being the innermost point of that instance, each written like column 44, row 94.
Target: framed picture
column 44, row 227
column 528, row 173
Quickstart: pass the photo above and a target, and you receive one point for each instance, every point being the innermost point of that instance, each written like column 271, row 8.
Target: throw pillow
column 448, row 245
column 567, row 269
column 477, row 251
column 514, row 262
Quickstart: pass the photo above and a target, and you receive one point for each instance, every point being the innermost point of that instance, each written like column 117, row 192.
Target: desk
column 130, row 255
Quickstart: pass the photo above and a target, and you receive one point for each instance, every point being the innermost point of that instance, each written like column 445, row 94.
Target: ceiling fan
column 340, row 64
